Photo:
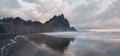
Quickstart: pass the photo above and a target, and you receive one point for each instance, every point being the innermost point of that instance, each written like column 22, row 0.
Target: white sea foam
column 4, row 50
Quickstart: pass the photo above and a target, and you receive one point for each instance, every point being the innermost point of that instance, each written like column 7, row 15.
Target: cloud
column 58, row 3
column 42, row 11
column 98, row 13
column 9, row 4
column 35, row 1
column 76, row 2
column 105, row 5
column 11, row 13
column 37, row 15
column 41, row 1
column 112, row 12
column 80, row 13
column 30, row 1
column 10, row 8
column 30, row 9
column 110, row 17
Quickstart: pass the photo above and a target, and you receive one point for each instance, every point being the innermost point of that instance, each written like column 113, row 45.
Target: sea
column 82, row 43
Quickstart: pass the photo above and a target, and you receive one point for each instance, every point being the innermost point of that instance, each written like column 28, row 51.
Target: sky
column 80, row 13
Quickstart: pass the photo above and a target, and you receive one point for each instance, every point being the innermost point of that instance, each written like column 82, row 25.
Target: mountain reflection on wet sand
column 47, row 45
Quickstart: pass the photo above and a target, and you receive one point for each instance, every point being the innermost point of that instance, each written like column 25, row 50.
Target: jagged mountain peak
column 18, row 19
column 58, row 23
column 60, row 19
column 61, row 16
column 18, row 25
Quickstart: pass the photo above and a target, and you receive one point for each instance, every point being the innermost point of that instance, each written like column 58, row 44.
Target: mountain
column 58, row 23
column 18, row 25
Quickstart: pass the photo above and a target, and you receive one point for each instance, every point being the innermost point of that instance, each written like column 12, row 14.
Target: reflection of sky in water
column 93, row 44
column 94, row 47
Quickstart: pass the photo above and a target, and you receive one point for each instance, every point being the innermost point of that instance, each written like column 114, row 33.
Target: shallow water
column 92, row 43
column 63, row 44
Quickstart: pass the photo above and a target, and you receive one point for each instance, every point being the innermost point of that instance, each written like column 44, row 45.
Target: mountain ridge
column 18, row 25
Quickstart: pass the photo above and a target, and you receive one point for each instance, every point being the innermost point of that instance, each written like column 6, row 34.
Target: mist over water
column 83, row 43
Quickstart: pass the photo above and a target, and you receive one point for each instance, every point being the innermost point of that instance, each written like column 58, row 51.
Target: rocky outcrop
column 18, row 25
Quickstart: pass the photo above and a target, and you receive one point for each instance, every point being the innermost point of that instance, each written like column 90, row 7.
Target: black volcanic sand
column 5, row 39
column 7, row 36
column 32, row 45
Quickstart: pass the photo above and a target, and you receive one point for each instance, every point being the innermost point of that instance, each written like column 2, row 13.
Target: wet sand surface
column 60, row 45
column 32, row 45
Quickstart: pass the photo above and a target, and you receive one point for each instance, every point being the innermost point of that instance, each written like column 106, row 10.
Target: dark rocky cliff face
column 2, row 29
column 18, row 25
column 58, row 23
